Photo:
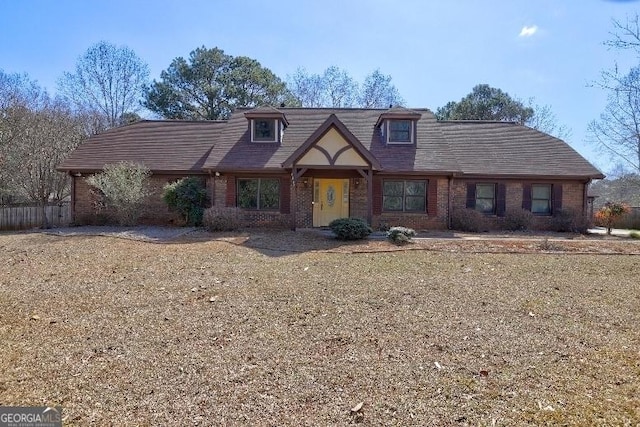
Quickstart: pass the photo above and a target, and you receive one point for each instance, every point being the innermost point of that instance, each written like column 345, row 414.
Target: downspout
column 294, row 198
column 585, row 195
column 449, row 201
column 73, row 197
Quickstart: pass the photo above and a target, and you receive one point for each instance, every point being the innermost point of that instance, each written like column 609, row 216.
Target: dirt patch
column 298, row 329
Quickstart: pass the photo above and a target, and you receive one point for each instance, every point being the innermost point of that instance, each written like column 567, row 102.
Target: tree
column 108, row 82
column 617, row 131
column 545, row 120
column 188, row 197
column 486, row 103
column 378, row 92
column 211, row 84
column 38, row 133
column 336, row 89
column 122, row 188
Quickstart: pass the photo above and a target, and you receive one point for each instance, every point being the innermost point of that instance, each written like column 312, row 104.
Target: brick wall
column 418, row 221
column 572, row 198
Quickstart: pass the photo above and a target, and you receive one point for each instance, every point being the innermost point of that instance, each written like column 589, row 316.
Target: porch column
column 370, row 196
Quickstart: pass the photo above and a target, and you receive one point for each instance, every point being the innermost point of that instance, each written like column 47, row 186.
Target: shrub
column 188, row 197
column 122, row 188
column 221, row 219
column 400, row 235
column 634, row 235
column 469, row 220
column 350, row 228
column 517, row 220
column 567, row 220
column 609, row 213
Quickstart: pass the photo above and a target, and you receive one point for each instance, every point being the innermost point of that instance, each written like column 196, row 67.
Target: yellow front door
column 330, row 200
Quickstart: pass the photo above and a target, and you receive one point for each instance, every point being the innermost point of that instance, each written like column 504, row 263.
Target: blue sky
column 436, row 51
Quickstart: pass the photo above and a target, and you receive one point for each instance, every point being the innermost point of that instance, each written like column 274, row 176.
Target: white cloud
column 528, row 31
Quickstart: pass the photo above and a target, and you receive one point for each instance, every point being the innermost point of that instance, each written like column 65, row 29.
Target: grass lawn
column 208, row 331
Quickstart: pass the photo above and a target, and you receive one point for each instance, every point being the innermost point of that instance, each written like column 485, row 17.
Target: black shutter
column 501, row 199
column 471, row 195
column 556, row 203
column 526, row 197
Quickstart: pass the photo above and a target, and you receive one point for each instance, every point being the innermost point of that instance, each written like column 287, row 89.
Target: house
column 304, row 167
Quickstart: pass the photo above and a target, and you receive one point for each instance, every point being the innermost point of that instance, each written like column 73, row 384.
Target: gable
column 332, row 149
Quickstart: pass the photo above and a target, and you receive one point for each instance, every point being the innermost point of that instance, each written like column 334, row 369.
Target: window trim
column 494, row 199
column 549, row 200
column 404, row 195
column 276, row 130
column 412, row 132
column 258, row 207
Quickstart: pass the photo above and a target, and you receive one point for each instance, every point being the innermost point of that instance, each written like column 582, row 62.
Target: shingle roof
column 450, row 147
column 502, row 148
column 235, row 151
column 162, row 145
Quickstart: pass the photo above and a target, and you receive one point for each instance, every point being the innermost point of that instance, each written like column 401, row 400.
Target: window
column 263, row 130
column 400, row 131
column 486, row 198
column 259, row 193
column 541, row 199
column 404, row 196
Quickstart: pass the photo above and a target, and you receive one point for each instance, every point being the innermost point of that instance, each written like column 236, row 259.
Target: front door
column 330, row 200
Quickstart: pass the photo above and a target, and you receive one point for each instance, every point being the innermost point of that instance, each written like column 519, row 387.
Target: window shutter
column 556, row 203
column 231, row 191
column 285, row 195
column 377, row 196
column 501, row 199
column 432, row 197
column 471, row 195
column 526, row 197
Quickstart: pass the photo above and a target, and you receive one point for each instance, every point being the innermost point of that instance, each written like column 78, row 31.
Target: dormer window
column 398, row 126
column 266, row 124
column 400, row 132
column 264, row 130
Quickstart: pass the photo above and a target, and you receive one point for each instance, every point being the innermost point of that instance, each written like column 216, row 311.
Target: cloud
column 528, row 31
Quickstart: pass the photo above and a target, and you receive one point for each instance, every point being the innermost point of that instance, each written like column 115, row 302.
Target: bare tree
column 545, row 120
column 335, row 88
column 107, row 83
column 377, row 91
column 617, row 131
column 46, row 136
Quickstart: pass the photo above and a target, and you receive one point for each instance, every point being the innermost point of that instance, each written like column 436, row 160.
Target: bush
column 350, row 228
column 517, row 220
column 221, row 219
column 122, row 189
column 469, row 220
column 610, row 213
column 400, row 235
column 634, row 235
column 188, row 197
column 570, row 221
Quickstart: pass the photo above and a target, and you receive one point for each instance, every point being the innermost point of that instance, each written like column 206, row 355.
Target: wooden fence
column 20, row 217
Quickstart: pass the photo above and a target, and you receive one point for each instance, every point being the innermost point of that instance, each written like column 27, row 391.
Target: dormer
column 399, row 126
column 266, row 124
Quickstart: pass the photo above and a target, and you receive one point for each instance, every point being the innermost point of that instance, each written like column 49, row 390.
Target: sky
column 435, row 51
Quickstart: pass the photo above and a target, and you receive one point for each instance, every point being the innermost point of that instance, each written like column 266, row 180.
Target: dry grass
column 296, row 329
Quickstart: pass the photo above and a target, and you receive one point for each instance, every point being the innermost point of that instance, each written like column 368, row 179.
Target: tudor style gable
column 332, row 145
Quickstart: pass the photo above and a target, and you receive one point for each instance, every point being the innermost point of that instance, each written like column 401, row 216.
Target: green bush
column 469, row 220
column 188, row 197
column 221, row 219
column 634, row 235
column 517, row 220
column 350, row 228
column 400, row 235
column 121, row 190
